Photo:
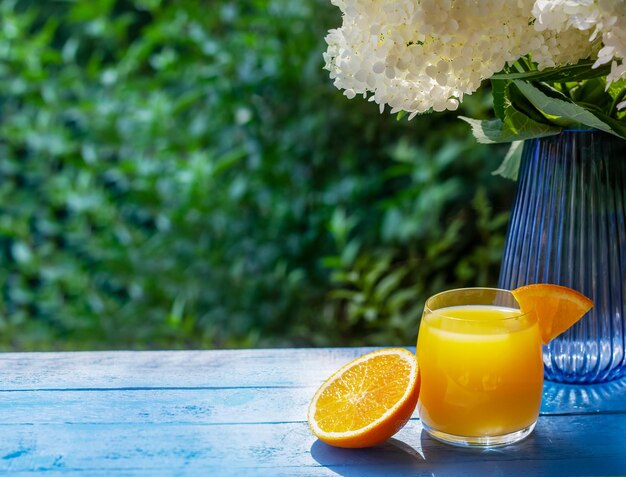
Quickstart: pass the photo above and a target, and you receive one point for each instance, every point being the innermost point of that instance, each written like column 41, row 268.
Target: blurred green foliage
column 183, row 174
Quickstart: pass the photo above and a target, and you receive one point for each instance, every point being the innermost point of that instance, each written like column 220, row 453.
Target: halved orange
column 367, row 401
column 557, row 307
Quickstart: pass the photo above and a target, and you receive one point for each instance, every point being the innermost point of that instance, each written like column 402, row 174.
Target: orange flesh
column 557, row 308
column 363, row 394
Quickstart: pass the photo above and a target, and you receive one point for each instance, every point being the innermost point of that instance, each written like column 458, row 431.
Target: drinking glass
column 481, row 368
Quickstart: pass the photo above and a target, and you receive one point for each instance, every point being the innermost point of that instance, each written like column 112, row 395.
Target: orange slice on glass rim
column 367, row 401
column 557, row 307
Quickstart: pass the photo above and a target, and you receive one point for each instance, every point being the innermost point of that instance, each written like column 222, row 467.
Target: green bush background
column 183, row 174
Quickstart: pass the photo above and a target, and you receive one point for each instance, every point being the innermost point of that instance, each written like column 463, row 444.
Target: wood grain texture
column 564, row 445
column 191, row 406
column 244, row 413
column 235, row 370
column 171, row 369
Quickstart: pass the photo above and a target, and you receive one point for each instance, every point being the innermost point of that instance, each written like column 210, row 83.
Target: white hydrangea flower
column 415, row 55
column 598, row 19
column 566, row 47
column 613, row 29
column 559, row 15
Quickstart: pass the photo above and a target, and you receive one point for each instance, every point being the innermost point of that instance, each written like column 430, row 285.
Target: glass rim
column 429, row 310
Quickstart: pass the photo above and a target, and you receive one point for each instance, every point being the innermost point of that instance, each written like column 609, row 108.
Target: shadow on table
column 398, row 458
column 394, row 457
column 445, row 459
column 588, row 399
column 429, row 457
column 576, row 447
column 549, row 450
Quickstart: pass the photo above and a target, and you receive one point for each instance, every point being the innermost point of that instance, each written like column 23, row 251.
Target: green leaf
column 401, row 297
column 228, row 161
column 517, row 126
column 498, row 91
column 617, row 87
column 374, row 274
column 518, row 101
column 617, row 91
column 509, row 167
column 561, row 108
column 389, row 283
column 618, row 126
column 485, row 131
column 591, row 91
column 342, row 294
column 581, row 71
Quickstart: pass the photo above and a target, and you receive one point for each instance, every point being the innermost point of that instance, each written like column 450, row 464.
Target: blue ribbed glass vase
column 568, row 227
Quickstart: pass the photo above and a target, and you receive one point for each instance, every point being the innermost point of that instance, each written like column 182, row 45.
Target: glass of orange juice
column 481, row 368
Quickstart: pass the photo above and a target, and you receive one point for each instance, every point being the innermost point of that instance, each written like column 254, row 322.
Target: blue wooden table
column 222, row 413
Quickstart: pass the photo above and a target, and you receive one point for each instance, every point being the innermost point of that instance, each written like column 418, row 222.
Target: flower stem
column 618, row 99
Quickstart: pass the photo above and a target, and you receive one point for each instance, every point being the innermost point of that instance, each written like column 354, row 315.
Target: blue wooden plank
column 157, row 415
column 561, row 445
column 235, row 369
column 213, row 406
column 230, row 406
column 168, row 369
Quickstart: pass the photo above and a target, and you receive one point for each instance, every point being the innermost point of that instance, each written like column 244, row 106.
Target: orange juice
column 481, row 369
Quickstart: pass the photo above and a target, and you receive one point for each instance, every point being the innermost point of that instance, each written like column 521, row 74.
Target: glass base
column 480, row 441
